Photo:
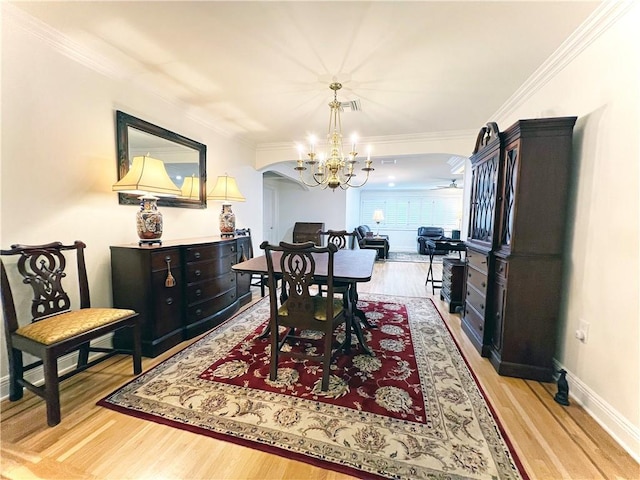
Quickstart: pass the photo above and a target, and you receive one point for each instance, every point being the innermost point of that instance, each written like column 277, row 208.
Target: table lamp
column 378, row 216
column 190, row 188
column 226, row 189
column 145, row 177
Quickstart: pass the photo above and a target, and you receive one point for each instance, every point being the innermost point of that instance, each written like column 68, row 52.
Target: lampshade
column 226, row 189
column 191, row 188
column 378, row 216
column 147, row 175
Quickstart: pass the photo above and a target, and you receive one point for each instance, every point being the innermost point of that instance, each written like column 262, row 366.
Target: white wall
column 58, row 157
column 296, row 204
column 601, row 86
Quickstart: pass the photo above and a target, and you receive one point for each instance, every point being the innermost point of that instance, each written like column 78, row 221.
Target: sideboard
column 180, row 288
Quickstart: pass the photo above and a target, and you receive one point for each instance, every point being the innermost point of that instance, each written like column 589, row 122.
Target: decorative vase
column 227, row 221
column 149, row 220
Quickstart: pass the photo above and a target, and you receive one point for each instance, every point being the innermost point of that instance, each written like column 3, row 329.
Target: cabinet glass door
column 483, row 199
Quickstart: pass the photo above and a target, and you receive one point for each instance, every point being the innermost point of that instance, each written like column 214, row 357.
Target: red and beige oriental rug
column 412, row 411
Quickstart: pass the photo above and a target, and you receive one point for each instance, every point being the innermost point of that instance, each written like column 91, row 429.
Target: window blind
column 410, row 210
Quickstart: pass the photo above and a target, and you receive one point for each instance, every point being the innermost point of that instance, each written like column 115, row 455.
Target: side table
column 452, row 282
column 379, row 243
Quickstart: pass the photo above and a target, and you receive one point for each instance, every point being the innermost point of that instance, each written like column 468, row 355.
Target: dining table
column 349, row 267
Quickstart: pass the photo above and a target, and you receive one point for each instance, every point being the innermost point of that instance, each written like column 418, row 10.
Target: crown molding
column 387, row 139
column 606, row 15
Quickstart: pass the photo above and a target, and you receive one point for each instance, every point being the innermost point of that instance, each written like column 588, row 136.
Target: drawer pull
column 169, row 300
column 498, row 315
column 198, row 312
column 483, row 284
column 232, row 279
column 196, row 255
column 481, row 306
column 197, row 273
column 198, row 292
column 169, row 281
column 480, row 327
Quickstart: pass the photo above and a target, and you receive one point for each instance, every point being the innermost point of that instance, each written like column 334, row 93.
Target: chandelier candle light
column 332, row 168
column 148, row 176
column 226, row 189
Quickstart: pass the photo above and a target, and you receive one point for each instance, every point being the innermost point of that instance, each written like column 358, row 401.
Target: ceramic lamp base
column 227, row 221
column 149, row 221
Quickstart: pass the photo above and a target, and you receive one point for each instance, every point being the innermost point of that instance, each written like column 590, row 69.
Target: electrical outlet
column 582, row 333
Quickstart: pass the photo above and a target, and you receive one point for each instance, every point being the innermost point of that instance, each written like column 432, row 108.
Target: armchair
column 430, row 233
column 379, row 243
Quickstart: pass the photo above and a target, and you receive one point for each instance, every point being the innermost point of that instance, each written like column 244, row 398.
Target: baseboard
column 65, row 364
column 623, row 432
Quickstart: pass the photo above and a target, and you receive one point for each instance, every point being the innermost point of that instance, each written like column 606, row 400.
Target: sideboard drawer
column 477, row 260
column 477, row 279
column 199, row 292
column 476, row 300
column 160, row 260
column 200, row 311
column 200, row 271
column 475, row 321
column 209, row 252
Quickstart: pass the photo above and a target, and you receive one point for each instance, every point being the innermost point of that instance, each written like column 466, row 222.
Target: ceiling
column 260, row 71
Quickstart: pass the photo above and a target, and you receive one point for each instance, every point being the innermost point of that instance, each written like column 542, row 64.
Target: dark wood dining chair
column 55, row 328
column 303, row 309
column 340, row 238
column 257, row 279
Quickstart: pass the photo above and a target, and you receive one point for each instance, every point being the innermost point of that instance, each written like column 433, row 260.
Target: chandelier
column 332, row 168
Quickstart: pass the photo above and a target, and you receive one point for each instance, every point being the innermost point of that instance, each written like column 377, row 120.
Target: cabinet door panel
column 167, row 304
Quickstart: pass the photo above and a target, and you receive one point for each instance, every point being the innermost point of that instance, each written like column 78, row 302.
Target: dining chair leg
column 83, row 355
column 51, row 388
column 273, row 367
column 326, row 361
column 137, row 348
column 16, row 374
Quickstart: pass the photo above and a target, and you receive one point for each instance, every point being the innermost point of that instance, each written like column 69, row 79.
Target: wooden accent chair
column 303, row 309
column 56, row 329
column 257, row 279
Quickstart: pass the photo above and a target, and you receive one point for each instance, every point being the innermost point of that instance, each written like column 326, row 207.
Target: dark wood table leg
column 356, row 323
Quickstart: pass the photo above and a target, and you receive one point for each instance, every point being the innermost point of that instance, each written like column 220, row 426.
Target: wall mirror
column 184, row 159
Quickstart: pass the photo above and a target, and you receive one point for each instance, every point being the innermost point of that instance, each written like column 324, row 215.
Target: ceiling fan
column 453, row 184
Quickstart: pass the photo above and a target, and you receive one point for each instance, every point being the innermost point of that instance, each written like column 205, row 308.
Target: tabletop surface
column 348, row 265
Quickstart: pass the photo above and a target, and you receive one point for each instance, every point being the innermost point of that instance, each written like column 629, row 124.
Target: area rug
column 412, row 411
column 412, row 257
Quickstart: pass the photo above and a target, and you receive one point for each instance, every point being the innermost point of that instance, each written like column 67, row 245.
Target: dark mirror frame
column 125, row 121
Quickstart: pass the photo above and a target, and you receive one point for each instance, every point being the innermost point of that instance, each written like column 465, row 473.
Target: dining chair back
column 340, row 238
column 257, row 279
column 55, row 328
column 296, row 265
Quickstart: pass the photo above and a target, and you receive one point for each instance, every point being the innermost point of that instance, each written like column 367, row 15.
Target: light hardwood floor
column 553, row 442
